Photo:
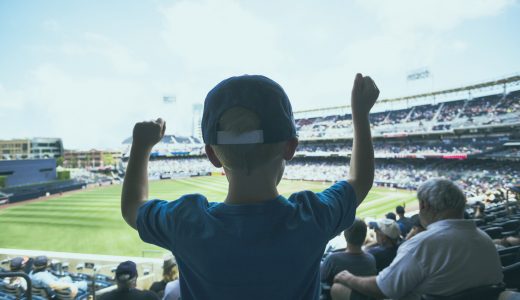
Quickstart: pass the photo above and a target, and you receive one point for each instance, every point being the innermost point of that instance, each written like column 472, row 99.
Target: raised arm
column 135, row 185
column 361, row 175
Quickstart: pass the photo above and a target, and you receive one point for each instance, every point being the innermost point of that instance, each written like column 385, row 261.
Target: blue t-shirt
column 270, row 250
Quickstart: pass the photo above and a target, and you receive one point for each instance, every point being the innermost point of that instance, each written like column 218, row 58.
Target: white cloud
column 93, row 45
column 216, row 35
column 430, row 15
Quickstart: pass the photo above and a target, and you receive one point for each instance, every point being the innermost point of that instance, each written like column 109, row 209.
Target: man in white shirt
column 452, row 255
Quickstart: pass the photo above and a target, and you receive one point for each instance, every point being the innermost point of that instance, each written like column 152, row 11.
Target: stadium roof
column 511, row 81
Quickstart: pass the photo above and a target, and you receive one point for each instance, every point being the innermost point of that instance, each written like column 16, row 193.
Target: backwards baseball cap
column 40, row 261
column 257, row 93
column 126, row 268
column 16, row 263
column 388, row 227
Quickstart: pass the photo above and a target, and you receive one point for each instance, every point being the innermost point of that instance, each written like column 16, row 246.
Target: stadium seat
column 479, row 222
column 512, row 276
column 65, row 294
column 510, row 227
column 489, row 218
column 42, row 291
column 487, row 292
column 494, row 232
column 508, row 259
column 12, row 290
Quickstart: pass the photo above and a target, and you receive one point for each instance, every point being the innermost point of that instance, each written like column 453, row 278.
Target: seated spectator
column 17, row 264
column 391, row 216
column 451, row 256
column 387, row 237
column 405, row 224
column 353, row 259
column 126, row 278
column 40, row 275
column 416, row 227
column 170, row 273
column 479, row 210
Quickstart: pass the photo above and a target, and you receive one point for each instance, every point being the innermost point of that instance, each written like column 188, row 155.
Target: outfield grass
column 90, row 221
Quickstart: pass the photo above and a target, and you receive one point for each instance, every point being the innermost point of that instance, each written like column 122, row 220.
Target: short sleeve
column 337, row 208
column 402, row 276
column 160, row 222
column 326, row 270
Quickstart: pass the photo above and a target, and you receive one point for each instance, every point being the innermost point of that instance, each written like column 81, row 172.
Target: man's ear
column 212, row 156
column 290, row 148
column 424, row 205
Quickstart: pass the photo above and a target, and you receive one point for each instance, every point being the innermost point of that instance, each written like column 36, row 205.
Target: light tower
column 196, row 131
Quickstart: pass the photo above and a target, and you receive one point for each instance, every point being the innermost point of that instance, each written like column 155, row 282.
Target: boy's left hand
column 147, row 134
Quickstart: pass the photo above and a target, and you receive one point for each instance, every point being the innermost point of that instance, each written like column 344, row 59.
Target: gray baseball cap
column 254, row 92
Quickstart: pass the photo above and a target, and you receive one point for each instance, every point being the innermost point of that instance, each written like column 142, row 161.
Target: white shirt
column 449, row 257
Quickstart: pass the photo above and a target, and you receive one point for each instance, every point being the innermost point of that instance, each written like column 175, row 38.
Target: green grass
column 90, row 221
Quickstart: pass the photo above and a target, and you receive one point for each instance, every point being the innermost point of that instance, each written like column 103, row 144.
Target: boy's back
column 270, row 250
column 257, row 244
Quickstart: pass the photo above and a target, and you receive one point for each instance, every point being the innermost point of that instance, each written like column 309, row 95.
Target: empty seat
column 494, row 232
column 511, row 225
column 512, row 276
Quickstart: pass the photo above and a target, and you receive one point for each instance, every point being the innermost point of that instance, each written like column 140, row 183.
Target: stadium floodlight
column 418, row 74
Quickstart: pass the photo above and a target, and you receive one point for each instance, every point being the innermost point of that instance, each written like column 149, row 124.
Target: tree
column 108, row 159
column 59, row 161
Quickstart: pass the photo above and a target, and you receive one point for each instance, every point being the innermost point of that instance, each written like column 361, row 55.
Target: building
column 27, row 171
column 91, row 158
column 35, row 148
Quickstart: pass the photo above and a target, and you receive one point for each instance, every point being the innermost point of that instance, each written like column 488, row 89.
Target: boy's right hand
column 364, row 95
column 147, row 134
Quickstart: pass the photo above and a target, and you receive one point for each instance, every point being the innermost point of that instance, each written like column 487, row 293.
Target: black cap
column 257, row 93
column 127, row 268
column 399, row 209
column 40, row 261
column 16, row 263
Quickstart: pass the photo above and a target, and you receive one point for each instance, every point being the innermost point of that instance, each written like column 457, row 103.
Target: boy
column 257, row 244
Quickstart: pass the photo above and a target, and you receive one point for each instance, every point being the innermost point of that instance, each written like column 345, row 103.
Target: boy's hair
column 356, row 233
column 244, row 157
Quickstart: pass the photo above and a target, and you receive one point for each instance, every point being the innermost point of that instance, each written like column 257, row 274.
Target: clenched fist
column 147, row 134
column 364, row 95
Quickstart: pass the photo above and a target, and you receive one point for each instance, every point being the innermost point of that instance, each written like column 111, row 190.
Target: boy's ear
column 212, row 156
column 290, row 148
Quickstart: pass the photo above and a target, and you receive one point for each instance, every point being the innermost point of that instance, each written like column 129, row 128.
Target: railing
column 28, row 294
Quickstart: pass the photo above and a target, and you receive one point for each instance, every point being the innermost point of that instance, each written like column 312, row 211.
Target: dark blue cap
column 40, row 261
column 127, row 268
column 16, row 263
column 257, row 93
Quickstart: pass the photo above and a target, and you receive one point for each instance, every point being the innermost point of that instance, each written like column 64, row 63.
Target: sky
column 87, row 71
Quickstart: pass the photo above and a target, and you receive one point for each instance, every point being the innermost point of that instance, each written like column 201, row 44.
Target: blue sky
column 86, row 71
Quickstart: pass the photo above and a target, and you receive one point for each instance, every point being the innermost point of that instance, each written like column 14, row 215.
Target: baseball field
column 89, row 221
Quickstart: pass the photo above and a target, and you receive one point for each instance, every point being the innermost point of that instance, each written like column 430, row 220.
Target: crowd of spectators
column 476, row 177
column 445, row 116
column 51, row 280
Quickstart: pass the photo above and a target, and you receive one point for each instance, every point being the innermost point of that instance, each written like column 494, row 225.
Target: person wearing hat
column 17, row 264
column 452, row 255
column 256, row 244
column 40, row 275
column 126, row 279
column 405, row 224
column 170, row 273
column 387, row 238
